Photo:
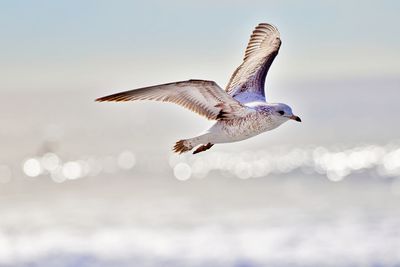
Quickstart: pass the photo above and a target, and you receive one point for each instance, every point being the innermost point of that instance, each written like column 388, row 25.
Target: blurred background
column 96, row 184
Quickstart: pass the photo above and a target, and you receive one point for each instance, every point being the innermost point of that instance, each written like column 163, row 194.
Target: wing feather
column 203, row 97
column 249, row 77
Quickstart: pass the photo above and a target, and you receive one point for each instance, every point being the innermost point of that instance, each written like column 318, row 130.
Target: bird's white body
column 241, row 111
column 258, row 120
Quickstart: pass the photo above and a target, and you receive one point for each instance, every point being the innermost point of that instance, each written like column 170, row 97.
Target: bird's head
column 283, row 112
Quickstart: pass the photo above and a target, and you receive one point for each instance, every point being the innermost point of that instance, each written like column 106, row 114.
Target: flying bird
column 241, row 110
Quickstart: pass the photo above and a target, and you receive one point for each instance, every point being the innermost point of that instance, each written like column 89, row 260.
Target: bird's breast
column 251, row 125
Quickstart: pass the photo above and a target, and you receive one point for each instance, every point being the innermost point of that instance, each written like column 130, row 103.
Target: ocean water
column 289, row 220
column 89, row 184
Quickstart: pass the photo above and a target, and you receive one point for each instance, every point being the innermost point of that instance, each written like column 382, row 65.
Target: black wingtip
column 101, row 99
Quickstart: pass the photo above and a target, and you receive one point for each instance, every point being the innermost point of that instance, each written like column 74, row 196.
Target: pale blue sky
column 48, row 45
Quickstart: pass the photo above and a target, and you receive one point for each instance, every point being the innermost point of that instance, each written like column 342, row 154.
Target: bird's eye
column 281, row 112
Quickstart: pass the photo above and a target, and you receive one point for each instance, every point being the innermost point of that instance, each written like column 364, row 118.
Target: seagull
column 240, row 111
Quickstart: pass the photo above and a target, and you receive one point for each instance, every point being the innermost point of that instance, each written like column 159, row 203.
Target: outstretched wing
column 248, row 79
column 203, row 97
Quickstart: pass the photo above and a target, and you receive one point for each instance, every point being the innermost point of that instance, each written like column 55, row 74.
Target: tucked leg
column 203, row 148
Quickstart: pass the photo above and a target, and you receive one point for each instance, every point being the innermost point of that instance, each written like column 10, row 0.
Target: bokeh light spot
column 32, row 167
column 57, row 176
column 50, row 162
column 72, row 170
column 182, row 171
column 126, row 160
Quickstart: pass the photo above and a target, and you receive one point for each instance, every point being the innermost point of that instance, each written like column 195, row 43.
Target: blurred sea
column 95, row 184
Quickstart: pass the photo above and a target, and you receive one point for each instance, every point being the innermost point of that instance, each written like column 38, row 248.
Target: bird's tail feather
column 183, row 146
